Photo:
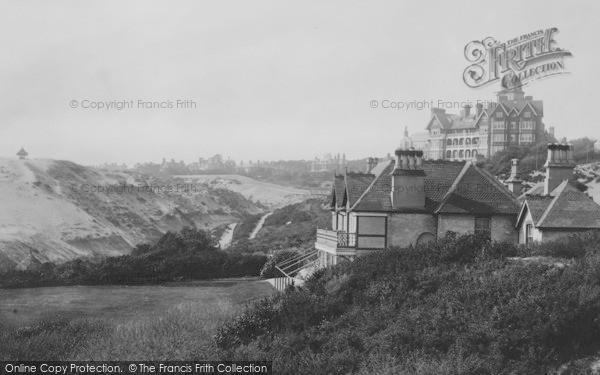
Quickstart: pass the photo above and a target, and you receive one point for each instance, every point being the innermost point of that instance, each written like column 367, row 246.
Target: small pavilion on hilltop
column 22, row 154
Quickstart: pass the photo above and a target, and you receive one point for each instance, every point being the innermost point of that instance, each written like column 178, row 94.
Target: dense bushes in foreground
column 460, row 306
column 187, row 255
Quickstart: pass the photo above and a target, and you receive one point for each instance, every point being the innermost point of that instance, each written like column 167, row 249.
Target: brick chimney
column 370, row 164
column 467, row 110
column 408, row 180
column 515, row 184
column 551, row 130
column 479, row 109
column 559, row 165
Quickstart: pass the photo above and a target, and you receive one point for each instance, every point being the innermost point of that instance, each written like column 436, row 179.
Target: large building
column 329, row 163
column 514, row 120
column 409, row 201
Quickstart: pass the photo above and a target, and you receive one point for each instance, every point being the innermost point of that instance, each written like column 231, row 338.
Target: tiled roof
column 476, row 191
column 449, row 187
column 570, row 208
column 356, row 184
column 564, row 208
column 537, row 205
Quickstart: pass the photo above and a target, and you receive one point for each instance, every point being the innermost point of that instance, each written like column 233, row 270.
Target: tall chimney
column 515, row 184
column 479, row 107
column 408, row 184
column 370, row 164
column 551, row 130
column 467, row 110
column 559, row 165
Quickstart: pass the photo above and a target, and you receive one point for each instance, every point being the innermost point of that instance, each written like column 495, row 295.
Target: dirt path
column 259, row 225
column 227, row 237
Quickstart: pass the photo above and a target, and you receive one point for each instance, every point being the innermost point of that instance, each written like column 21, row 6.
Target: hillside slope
column 272, row 195
column 53, row 211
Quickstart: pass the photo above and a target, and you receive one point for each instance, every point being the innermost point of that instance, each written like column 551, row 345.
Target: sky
column 266, row 80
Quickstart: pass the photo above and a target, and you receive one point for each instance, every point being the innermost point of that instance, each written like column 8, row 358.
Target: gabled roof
column 356, row 184
column 337, row 191
column 347, row 188
column 564, row 208
column 22, row 152
column 455, row 187
column 476, row 191
column 442, row 118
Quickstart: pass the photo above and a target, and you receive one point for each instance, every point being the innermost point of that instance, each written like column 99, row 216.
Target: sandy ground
column 271, row 195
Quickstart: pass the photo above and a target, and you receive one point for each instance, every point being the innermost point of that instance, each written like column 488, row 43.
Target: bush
column 455, row 307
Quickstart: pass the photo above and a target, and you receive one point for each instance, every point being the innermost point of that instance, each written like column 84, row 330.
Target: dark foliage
column 458, row 300
column 187, row 255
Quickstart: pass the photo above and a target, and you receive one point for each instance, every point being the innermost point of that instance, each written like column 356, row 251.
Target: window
column 513, row 125
column 483, row 226
column 448, row 154
column 499, row 137
column 499, row 125
column 527, row 125
column 528, row 234
column 461, row 154
column 448, row 142
column 513, row 137
column 527, row 114
column 498, row 114
column 525, row 138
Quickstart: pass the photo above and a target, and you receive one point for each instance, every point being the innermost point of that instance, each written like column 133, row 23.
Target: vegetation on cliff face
column 290, row 227
column 187, row 255
column 461, row 306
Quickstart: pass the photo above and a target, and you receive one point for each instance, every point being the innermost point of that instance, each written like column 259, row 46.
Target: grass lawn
column 159, row 322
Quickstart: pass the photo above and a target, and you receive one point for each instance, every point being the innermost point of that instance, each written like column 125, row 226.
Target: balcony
column 336, row 242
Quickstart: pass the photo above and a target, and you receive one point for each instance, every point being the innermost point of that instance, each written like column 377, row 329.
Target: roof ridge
column 494, row 181
column 368, row 189
column 452, row 187
column 549, row 208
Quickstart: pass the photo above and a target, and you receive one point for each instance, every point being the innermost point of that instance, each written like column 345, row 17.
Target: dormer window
column 527, row 114
column 498, row 114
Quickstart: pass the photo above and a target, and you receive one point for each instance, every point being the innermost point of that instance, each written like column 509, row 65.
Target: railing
column 336, row 238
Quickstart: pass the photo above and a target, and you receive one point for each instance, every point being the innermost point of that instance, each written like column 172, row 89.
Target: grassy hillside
column 461, row 306
column 292, row 226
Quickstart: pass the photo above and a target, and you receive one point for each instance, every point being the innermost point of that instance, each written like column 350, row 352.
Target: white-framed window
column 513, row 125
column 513, row 137
column 499, row 137
column 499, row 114
column 525, row 138
column 527, row 125
column 499, row 125
column 527, row 114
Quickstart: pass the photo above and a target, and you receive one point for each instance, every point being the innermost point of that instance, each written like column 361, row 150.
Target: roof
column 22, row 152
column 477, row 191
column 349, row 187
column 450, row 187
column 451, row 121
column 564, row 208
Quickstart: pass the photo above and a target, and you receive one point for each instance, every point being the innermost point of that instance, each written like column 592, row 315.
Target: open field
column 24, row 307
column 174, row 321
